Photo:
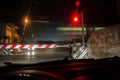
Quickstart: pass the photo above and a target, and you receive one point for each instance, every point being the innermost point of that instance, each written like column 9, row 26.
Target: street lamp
column 26, row 21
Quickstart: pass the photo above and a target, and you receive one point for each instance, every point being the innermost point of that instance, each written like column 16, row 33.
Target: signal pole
column 77, row 3
column 82, row 23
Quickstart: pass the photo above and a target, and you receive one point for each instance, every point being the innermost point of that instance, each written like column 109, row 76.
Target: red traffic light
column 75, row 19
column 77, row 3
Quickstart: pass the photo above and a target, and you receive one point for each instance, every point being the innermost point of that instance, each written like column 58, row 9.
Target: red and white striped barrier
column 25, row 46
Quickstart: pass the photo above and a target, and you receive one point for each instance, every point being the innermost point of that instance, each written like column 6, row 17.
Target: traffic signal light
column 75, row 19
column 76, row 16
column 77, row 3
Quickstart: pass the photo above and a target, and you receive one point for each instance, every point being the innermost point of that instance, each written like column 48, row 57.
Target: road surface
column 38, row 55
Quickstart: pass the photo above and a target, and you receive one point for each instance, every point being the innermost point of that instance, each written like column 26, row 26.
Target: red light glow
column 75, row 19
column 77, row 3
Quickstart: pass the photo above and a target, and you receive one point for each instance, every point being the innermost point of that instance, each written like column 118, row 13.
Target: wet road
column 38, row 55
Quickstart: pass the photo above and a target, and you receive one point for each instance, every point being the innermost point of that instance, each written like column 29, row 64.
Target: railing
column 76, row 50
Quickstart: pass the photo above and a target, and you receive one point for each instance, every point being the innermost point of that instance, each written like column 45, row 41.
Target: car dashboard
column 85, row 69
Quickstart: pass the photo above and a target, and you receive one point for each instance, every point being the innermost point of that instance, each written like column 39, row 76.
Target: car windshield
column 34, row 31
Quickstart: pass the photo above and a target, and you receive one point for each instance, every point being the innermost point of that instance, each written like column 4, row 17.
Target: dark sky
column 95, row 11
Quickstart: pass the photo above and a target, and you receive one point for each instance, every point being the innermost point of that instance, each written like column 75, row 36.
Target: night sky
column 99, row 12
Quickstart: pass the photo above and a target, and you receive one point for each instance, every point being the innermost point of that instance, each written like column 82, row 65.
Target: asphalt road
column 38, row 55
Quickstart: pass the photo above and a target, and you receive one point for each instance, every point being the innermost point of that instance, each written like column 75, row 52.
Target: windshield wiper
column 8, row 63
column 11, row 64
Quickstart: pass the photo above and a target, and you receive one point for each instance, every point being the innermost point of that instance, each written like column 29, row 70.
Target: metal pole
column 82, row 21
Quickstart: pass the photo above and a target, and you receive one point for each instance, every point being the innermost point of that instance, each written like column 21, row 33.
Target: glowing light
column 24, row 74
column 75, row 19
column 68, row 28
column 28, row 75
column 20, row 74
column 77, row 3
column 26, row 20
column 33, row 53
column 33, row 49
column 11, row 50
column 28, row 53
